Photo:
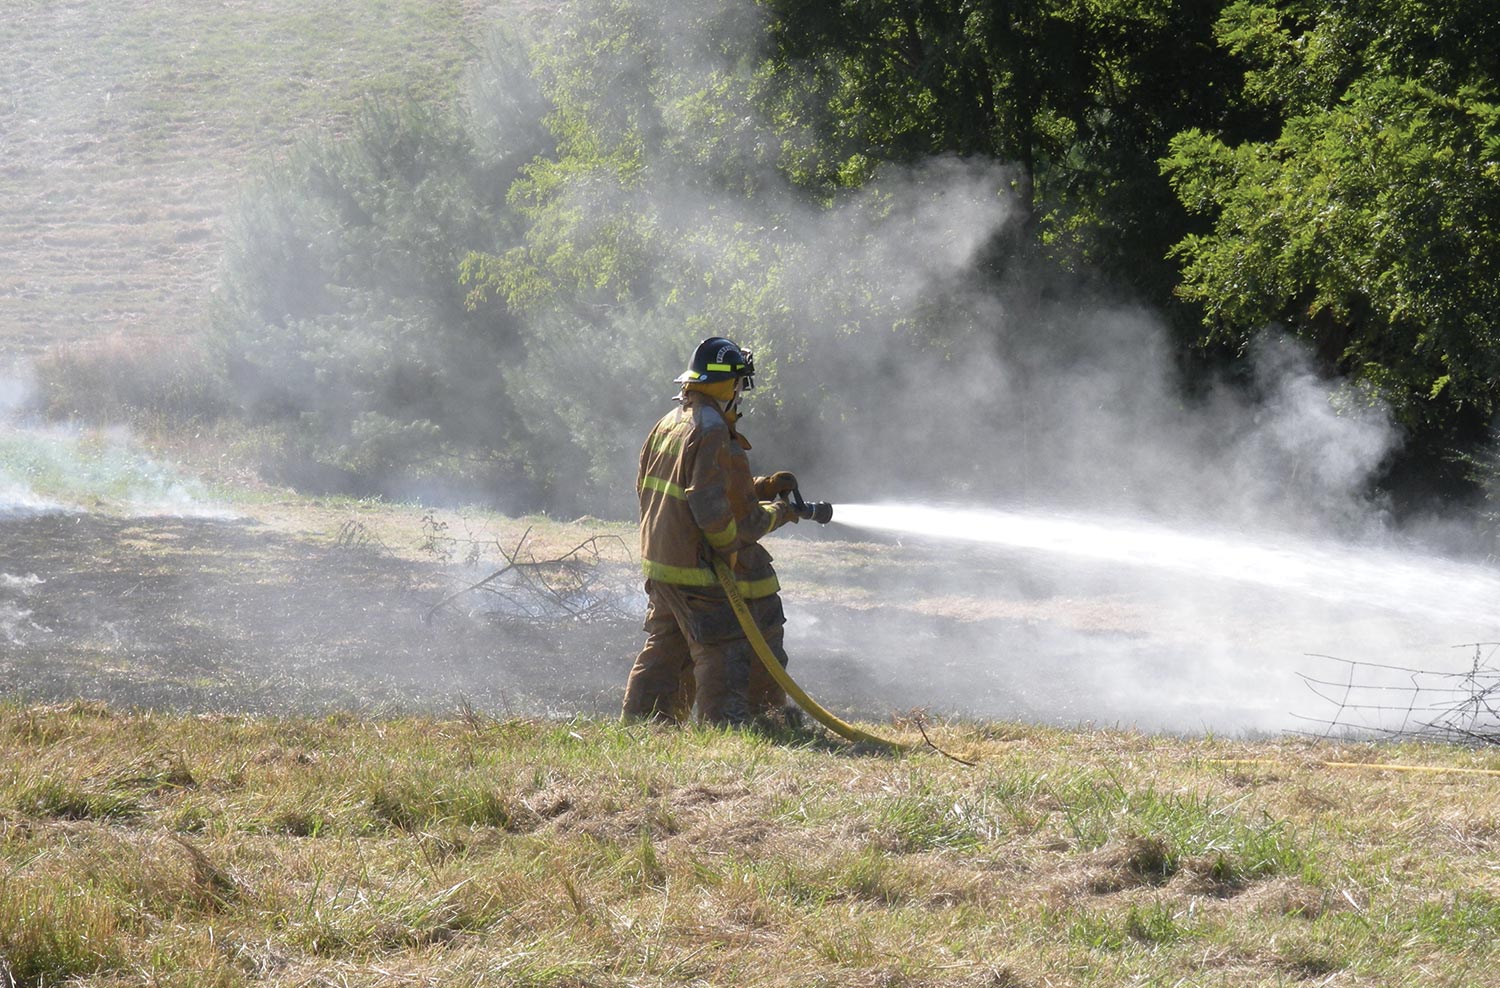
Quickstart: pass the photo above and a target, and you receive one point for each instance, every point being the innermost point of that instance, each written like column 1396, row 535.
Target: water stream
column 1072, row 617
column 1398, row 581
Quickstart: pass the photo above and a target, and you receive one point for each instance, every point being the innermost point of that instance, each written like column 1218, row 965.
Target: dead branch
column 962, row 761
column 510, row 562
column 355, row 536
column 571, row 585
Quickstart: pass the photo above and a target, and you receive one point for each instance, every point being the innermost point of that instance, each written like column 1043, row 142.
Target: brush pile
column 578, row 585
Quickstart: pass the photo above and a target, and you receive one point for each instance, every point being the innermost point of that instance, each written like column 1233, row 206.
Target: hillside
column 127, row 126
column 258, row 736
column 224, row 850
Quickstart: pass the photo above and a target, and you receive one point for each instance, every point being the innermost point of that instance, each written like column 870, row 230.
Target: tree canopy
column 890, row 187
column 1366, row 224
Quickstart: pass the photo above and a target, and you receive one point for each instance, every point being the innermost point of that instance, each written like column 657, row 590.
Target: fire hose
column 821, row 512
column 763, row 651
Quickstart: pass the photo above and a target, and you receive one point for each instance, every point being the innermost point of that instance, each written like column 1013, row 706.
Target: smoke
column 49, row 468
column 894, row 364
column 910, row 355
column 907, row 353
column 15, row 391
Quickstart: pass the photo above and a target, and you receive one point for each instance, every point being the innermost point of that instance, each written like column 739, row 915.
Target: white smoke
column 51, row 467
column 893, row 367
column 907, row 356
column 16, row 622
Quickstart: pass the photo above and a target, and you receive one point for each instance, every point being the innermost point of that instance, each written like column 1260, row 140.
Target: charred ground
column 307, row 609
column 211, row 615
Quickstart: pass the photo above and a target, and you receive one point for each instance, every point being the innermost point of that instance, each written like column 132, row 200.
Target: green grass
column 94, row 469
column 145, row 849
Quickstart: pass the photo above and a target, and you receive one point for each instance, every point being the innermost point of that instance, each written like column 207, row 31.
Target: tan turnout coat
column 698, row 496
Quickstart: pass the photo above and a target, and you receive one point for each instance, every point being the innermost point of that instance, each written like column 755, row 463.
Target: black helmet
column 717, row 359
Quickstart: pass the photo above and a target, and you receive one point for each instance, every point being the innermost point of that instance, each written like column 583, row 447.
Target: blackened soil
column 209, row 615
column 203, row 615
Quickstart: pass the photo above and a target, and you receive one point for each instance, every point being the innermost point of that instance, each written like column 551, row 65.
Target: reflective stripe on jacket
column 698, row 496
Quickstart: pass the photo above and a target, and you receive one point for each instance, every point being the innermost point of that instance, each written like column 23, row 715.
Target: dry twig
column 571, row 585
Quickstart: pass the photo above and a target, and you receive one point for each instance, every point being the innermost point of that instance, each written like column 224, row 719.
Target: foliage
column 495, row 298
column 618, row 257
column 1368, row 223
column 664, row 217
column 1083, row 97
column 342, row 313
column 850, row 190
column 115, row 379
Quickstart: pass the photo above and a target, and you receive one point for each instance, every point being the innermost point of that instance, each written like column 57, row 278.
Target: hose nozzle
column 818, row 511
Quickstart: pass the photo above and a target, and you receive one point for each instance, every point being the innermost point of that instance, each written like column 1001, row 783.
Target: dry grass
column 145, row 849
column 149, row 848
column 117, row 378
column 128, row 126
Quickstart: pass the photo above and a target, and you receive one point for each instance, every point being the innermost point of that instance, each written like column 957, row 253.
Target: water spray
column 1177, row 626
column 1389, row 578
column 822, row 513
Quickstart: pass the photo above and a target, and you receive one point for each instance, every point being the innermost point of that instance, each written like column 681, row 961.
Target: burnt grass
column 207, row 615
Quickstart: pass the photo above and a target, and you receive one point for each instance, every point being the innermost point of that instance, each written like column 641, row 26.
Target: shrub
column 119, row 378
column 342, row 316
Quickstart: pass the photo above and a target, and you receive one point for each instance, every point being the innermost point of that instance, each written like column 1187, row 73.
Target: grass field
column 144, row 849
column 231, row 753
column 127, row 128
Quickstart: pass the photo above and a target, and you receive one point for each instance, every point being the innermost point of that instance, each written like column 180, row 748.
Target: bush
column 342, row 315
column 119, row 379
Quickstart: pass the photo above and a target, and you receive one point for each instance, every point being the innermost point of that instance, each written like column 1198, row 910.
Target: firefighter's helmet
column 717, row 359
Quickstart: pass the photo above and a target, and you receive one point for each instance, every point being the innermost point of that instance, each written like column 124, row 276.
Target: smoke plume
column 900, row 368
column 910, row 356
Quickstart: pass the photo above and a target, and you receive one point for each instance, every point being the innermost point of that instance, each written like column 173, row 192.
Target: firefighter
column 698, row 498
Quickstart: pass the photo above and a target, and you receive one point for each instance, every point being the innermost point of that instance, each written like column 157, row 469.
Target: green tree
column 1082, row 96
column 343, row 320
column 1368, row 224
column 668, row 214
column 712, row 159
column 637, row 235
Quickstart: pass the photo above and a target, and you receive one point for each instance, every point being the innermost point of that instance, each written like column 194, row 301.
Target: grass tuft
column 419, row 851
column 426, row 800
column 48, row 936
column 57, row 799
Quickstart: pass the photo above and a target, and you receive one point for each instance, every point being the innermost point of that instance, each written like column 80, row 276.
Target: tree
column 668, row 214
column 1082, row 96
column 1369, row 223
column 343, row 321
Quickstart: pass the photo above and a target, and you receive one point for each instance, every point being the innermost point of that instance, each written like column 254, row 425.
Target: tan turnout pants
column 696, row 648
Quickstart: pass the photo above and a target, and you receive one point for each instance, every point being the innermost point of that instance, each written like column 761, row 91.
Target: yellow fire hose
column 1369, row 766
column 767, row 659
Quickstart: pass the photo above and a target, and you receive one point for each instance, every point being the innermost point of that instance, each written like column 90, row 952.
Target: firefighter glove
column 780, row 482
